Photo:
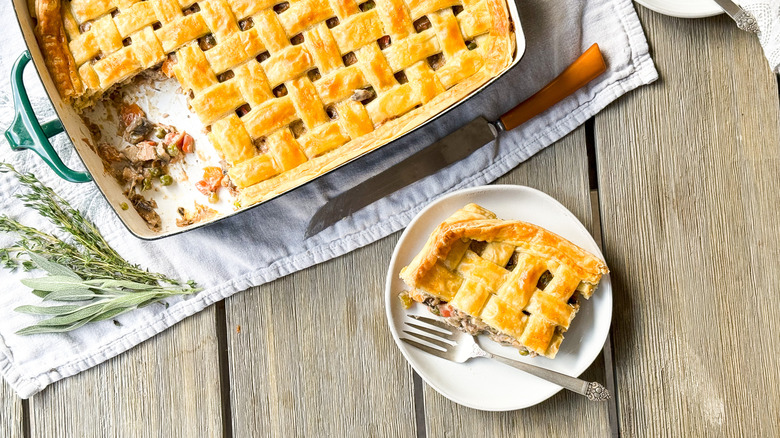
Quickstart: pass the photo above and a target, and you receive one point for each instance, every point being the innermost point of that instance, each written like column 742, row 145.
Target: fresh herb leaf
column 40, row 293
column 51, row 267
column 74, row 295
column 108, row 315
column 38, row 329
column 48, row 310
column 108, row 283
column 85, row 313
column 53, row 283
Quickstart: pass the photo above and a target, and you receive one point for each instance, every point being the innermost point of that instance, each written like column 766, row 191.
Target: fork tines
column 435, row 333
column 434, row 322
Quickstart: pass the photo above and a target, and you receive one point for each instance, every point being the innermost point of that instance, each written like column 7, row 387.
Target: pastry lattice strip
column 521, row 283
column 276, row 82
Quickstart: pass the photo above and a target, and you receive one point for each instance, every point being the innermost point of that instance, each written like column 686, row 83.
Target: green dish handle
column 26, row 133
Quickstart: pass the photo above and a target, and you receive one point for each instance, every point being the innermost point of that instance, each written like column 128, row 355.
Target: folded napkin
column 266, row 242
column 767, row 14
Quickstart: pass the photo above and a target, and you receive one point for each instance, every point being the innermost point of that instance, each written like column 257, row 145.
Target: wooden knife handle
column 583, row 70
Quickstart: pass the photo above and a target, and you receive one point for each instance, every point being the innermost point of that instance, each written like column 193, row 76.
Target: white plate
column 481, row 383
column 683, row 8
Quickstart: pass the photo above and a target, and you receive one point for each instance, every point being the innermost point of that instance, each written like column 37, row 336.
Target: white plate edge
column 696, row 13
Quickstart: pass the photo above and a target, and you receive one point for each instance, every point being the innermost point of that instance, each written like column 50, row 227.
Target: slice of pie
column 515, row 281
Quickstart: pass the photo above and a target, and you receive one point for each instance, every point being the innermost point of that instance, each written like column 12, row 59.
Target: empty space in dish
column 164, row 103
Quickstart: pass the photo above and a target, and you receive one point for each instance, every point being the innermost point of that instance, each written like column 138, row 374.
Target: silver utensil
column 457, row 145
column 457, row 346
column 745, row 20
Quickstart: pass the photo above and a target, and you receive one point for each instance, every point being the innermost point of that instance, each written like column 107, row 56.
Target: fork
column 458, row 346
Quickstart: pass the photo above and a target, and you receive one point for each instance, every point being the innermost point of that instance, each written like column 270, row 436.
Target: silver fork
column 459, row 346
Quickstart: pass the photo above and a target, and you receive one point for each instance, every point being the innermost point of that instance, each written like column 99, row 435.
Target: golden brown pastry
column 289, row 90
column 513, row 280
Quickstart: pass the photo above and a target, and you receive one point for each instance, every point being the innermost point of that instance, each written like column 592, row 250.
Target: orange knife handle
column 584, row 69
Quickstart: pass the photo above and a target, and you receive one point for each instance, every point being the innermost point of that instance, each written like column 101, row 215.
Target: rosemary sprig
column 86, row 271
column 94, row 258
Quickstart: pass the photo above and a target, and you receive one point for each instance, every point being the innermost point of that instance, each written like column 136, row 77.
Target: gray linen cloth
column 266, row 242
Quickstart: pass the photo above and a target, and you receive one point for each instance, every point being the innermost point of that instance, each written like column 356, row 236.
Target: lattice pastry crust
column 288, row 90
column 495, row 287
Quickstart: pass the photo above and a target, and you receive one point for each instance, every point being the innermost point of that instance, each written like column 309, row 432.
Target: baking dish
column 27, row 133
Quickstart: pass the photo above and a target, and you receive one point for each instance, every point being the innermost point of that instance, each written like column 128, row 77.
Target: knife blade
column 745, row 20
column 450, row 149
column 457, row 145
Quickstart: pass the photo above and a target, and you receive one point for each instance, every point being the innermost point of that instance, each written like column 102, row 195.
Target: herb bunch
column 83, row 269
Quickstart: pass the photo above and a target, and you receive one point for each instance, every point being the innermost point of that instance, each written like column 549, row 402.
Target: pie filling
column 143, row 161
column 473, row 325
column 285, row 91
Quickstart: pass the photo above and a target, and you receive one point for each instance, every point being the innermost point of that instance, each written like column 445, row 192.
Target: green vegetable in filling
column 406, row 300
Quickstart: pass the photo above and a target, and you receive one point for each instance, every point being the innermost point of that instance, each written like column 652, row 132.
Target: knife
column 745, row 20
column 457, row 145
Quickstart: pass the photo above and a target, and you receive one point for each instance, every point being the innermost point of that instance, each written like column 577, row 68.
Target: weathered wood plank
column 167, row 386
column 10, row 412
column 688, row 178
column 561, row 171
column 314, row 356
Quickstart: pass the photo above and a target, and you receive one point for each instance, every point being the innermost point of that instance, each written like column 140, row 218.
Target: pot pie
column 287, row 90
column 515, row 281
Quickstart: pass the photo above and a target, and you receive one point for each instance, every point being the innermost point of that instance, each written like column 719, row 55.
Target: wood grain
column 167, row 386
column 10, row 412
column 561, row 170
column 688, row 178
column 311, row 353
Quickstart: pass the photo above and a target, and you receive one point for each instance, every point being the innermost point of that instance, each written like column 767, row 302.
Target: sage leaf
column 148, row 302
column 48, row 310
column 52, row 268
column 53, row 283
column 72, row 295
column 110, row 314
column 130, row 300
column 38, row 329
column 84, row 314
column 113, row 284
column 40, row 293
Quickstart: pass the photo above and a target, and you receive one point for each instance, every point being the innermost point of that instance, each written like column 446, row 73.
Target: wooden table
column 680, row 182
